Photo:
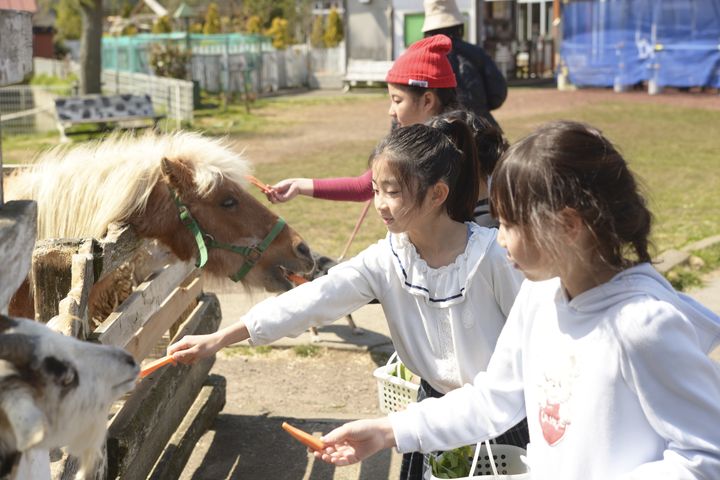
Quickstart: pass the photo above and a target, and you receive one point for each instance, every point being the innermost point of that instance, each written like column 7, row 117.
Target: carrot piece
column 152, row 366
column 296, row 279
column 262, row 186
column 305, row 438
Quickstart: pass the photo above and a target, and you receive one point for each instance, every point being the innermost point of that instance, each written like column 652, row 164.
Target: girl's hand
column 356, row 441
column 192, row 348
column 290, row 188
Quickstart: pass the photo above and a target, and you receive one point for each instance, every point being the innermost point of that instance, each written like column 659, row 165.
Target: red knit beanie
column 424, row 64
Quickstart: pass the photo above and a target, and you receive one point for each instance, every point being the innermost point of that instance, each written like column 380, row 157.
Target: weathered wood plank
column 143, row 426
column 142, row 343
column 117, row 247
column 209, row 402
column 51, row 273
column 17, row 237
column 72, row 317
column 121, row 325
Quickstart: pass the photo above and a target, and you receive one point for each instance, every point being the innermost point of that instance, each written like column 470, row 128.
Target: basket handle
column 490, row 457
column 392, row 358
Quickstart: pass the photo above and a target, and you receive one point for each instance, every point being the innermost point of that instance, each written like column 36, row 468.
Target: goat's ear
column 26, row 421
column 178, row 174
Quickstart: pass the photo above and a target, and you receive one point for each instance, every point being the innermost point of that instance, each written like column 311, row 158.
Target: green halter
column 205, row 241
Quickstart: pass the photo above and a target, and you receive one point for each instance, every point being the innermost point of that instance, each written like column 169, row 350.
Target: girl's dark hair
column 420, row 156
column 489, row 139
column 572, row 165
column 446, row 96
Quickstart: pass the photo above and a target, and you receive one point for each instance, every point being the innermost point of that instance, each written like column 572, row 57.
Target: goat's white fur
column 50, row 408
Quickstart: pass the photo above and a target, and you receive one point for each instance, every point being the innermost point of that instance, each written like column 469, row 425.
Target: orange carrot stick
column 262, row 186
column 152, row 366
column 305, row 438
column 296, row 279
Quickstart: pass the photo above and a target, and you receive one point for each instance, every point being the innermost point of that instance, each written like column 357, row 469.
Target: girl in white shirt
column 607, row 361
column 444, row 283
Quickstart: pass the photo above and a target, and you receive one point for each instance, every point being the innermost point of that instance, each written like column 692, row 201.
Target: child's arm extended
column 346, row 288
column 351, row 189
column 678, row 388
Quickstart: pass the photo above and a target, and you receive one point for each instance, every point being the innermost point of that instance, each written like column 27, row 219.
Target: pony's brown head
column 243, row 238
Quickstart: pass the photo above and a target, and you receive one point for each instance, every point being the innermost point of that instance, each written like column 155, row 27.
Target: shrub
column 169, row 61
column 279, row 32
column 253, row 24
column 317, row 34
column 162, row 25
column 334, row 31
column 212, row 20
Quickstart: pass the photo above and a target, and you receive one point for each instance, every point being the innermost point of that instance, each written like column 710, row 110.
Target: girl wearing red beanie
column 421, row 85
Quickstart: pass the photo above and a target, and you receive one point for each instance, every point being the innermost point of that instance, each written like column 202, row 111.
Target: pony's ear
column 178, row 174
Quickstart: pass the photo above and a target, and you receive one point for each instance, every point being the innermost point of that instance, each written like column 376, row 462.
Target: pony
column 184, row 190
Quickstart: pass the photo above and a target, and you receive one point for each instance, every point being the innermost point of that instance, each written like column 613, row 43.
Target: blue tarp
column 623, row 42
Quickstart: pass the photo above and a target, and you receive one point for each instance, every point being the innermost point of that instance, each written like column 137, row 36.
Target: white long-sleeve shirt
column 444, row 322
column 616, row 384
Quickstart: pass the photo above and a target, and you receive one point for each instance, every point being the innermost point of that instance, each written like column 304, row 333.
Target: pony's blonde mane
column 82, row 189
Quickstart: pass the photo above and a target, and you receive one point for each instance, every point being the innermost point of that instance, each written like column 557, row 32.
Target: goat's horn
column 16, row 348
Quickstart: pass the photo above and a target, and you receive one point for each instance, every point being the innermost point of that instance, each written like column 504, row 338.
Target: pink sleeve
column 353, row 189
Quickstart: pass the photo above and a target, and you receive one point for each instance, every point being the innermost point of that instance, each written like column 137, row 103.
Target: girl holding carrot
column 444, row 283
column 607, row 361
column 421, row 85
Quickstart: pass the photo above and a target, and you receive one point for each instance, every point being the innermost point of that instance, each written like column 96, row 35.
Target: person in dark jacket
column 481, row 86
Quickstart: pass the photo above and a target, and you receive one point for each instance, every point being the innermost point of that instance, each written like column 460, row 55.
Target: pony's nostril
column 303, row 249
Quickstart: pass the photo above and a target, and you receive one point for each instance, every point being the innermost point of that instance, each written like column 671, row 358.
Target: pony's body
column 127, row 180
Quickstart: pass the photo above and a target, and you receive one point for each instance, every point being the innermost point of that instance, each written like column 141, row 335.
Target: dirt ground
column 320, row 392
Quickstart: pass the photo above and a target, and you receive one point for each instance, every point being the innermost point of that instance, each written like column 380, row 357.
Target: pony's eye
column 228, row 202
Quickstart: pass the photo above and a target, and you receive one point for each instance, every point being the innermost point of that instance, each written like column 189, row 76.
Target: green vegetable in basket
column 402, row 372
column 453, row 463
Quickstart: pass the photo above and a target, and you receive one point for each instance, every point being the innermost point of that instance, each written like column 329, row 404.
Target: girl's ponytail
column 464, row 193
column 422, row 155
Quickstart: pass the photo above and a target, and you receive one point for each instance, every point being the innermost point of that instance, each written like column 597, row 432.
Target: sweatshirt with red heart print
column 616, row 384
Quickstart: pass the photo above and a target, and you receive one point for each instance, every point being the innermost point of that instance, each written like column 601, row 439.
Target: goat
column 56, row 391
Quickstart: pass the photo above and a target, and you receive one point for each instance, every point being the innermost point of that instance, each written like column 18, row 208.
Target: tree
column 317, row 34
column 334, row 31
column 91, row 46
column 68, row 22
column 279, row 32
column 162, row 25
column 212, row 20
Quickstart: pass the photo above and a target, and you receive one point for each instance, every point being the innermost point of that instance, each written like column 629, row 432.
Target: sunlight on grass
column 672, row 149
column 674, row 152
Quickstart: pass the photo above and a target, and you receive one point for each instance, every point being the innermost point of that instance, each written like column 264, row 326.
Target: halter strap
column 204, row 240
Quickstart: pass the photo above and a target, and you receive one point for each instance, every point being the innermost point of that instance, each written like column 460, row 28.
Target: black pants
column 413, row 462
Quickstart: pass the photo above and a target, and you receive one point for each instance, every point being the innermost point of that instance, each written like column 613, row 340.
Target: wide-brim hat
column 441, row 14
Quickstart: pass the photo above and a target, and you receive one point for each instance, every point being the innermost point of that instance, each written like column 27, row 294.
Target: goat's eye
column 63, row 373
column 229, row 202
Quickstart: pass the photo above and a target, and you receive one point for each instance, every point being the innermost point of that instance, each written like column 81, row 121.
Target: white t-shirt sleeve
column 345, row 288
column 678, row 387
column 493, row 404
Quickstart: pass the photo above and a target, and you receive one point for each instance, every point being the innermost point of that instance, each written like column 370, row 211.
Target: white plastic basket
column 497, row 462
column 394, row 393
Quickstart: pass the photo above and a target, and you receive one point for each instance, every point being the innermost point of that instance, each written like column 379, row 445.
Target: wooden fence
column 153, row 430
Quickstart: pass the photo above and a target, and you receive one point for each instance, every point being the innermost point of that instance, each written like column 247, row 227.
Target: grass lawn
column 674, row 151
